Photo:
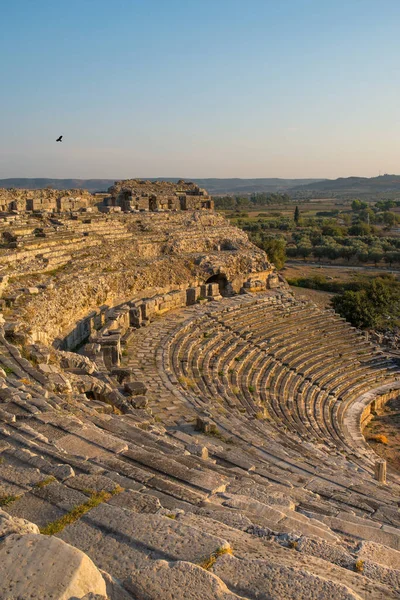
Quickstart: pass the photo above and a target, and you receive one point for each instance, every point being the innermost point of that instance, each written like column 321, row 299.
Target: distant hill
column 354, row 185
column 92, row 185
column 213, row 185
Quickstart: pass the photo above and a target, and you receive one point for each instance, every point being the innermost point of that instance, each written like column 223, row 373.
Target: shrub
column 210, row 561
column 359, row 566
column 379, row 439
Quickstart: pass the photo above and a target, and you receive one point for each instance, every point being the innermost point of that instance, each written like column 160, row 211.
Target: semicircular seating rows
column 298, row 364
column 272, row 501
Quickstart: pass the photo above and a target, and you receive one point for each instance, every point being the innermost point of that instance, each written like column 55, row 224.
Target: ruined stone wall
column 377, row 404
column 45, row 200
column 137, row 194
column 132, row 256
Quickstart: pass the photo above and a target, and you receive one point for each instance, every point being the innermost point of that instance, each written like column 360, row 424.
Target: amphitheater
column 174, row 424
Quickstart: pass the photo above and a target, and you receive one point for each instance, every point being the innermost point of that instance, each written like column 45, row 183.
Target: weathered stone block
column 191, row 295
column 135, row 388
column 139, row 401
column 24, row 560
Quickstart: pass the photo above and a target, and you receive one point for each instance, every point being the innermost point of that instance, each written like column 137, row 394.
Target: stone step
column 179, row 580
column 385, row 535
column 118, row 540
column 265, row 579
column 206, row 480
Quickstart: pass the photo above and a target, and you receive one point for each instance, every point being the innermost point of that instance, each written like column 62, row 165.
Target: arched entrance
column 222, row 281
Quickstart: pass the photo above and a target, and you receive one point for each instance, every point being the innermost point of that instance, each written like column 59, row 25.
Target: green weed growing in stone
column 7, row 499
column 44, row 482
column 78, row 511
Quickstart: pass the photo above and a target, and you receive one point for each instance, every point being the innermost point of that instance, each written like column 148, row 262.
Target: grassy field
column 294, row 269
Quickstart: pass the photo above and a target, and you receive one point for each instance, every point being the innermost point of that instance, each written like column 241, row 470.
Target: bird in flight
column 59, row 139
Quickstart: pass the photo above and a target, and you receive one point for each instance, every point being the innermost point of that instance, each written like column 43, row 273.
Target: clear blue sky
column 199, row 88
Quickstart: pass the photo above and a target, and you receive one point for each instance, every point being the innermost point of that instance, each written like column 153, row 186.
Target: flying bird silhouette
column 59, row 139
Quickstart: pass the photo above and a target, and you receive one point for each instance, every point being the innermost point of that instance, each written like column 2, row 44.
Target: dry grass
column 186, row 381
column 210, row 561
column 44, row 482
column 379, row 439
column 359, row 566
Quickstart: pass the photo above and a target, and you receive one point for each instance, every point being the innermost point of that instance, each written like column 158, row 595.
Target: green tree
column 389, row 218
column 296, row 215
column 358, row 205
column 276, row 250
column 355, row 308
column 348, row 252
column 376, row 304
column 332, row 229
column 376, row 255
column 360, row 229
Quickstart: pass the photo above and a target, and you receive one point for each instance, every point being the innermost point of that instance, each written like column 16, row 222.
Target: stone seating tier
column 216, row 460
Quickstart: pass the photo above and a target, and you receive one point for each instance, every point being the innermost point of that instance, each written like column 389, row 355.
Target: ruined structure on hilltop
column 128, row 195
column 174, row 424
column 45, row 200
column 137, row 194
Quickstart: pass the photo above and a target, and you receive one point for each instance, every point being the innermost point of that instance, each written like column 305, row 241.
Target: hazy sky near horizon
column 199, row 88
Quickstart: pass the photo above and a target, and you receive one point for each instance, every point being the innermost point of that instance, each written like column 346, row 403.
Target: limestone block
column 135, row 388
column 191, row 295
column 331, row 553
column 198, row 450
column 137, row 502
column 213, row 289
column 135, row 316
column 114, row 590
column 159, row 534
column 47, row 369
column 38, row 566
column 379, row 554
column 266, row 579
column 123, row 374
column 175, row 581
column 63, row 472
column 139, row 401
column 273, row 281
column 11, row 525
column 91, row 442
column 203, row 424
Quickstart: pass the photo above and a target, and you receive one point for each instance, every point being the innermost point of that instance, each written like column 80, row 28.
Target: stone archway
column 222, row 281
